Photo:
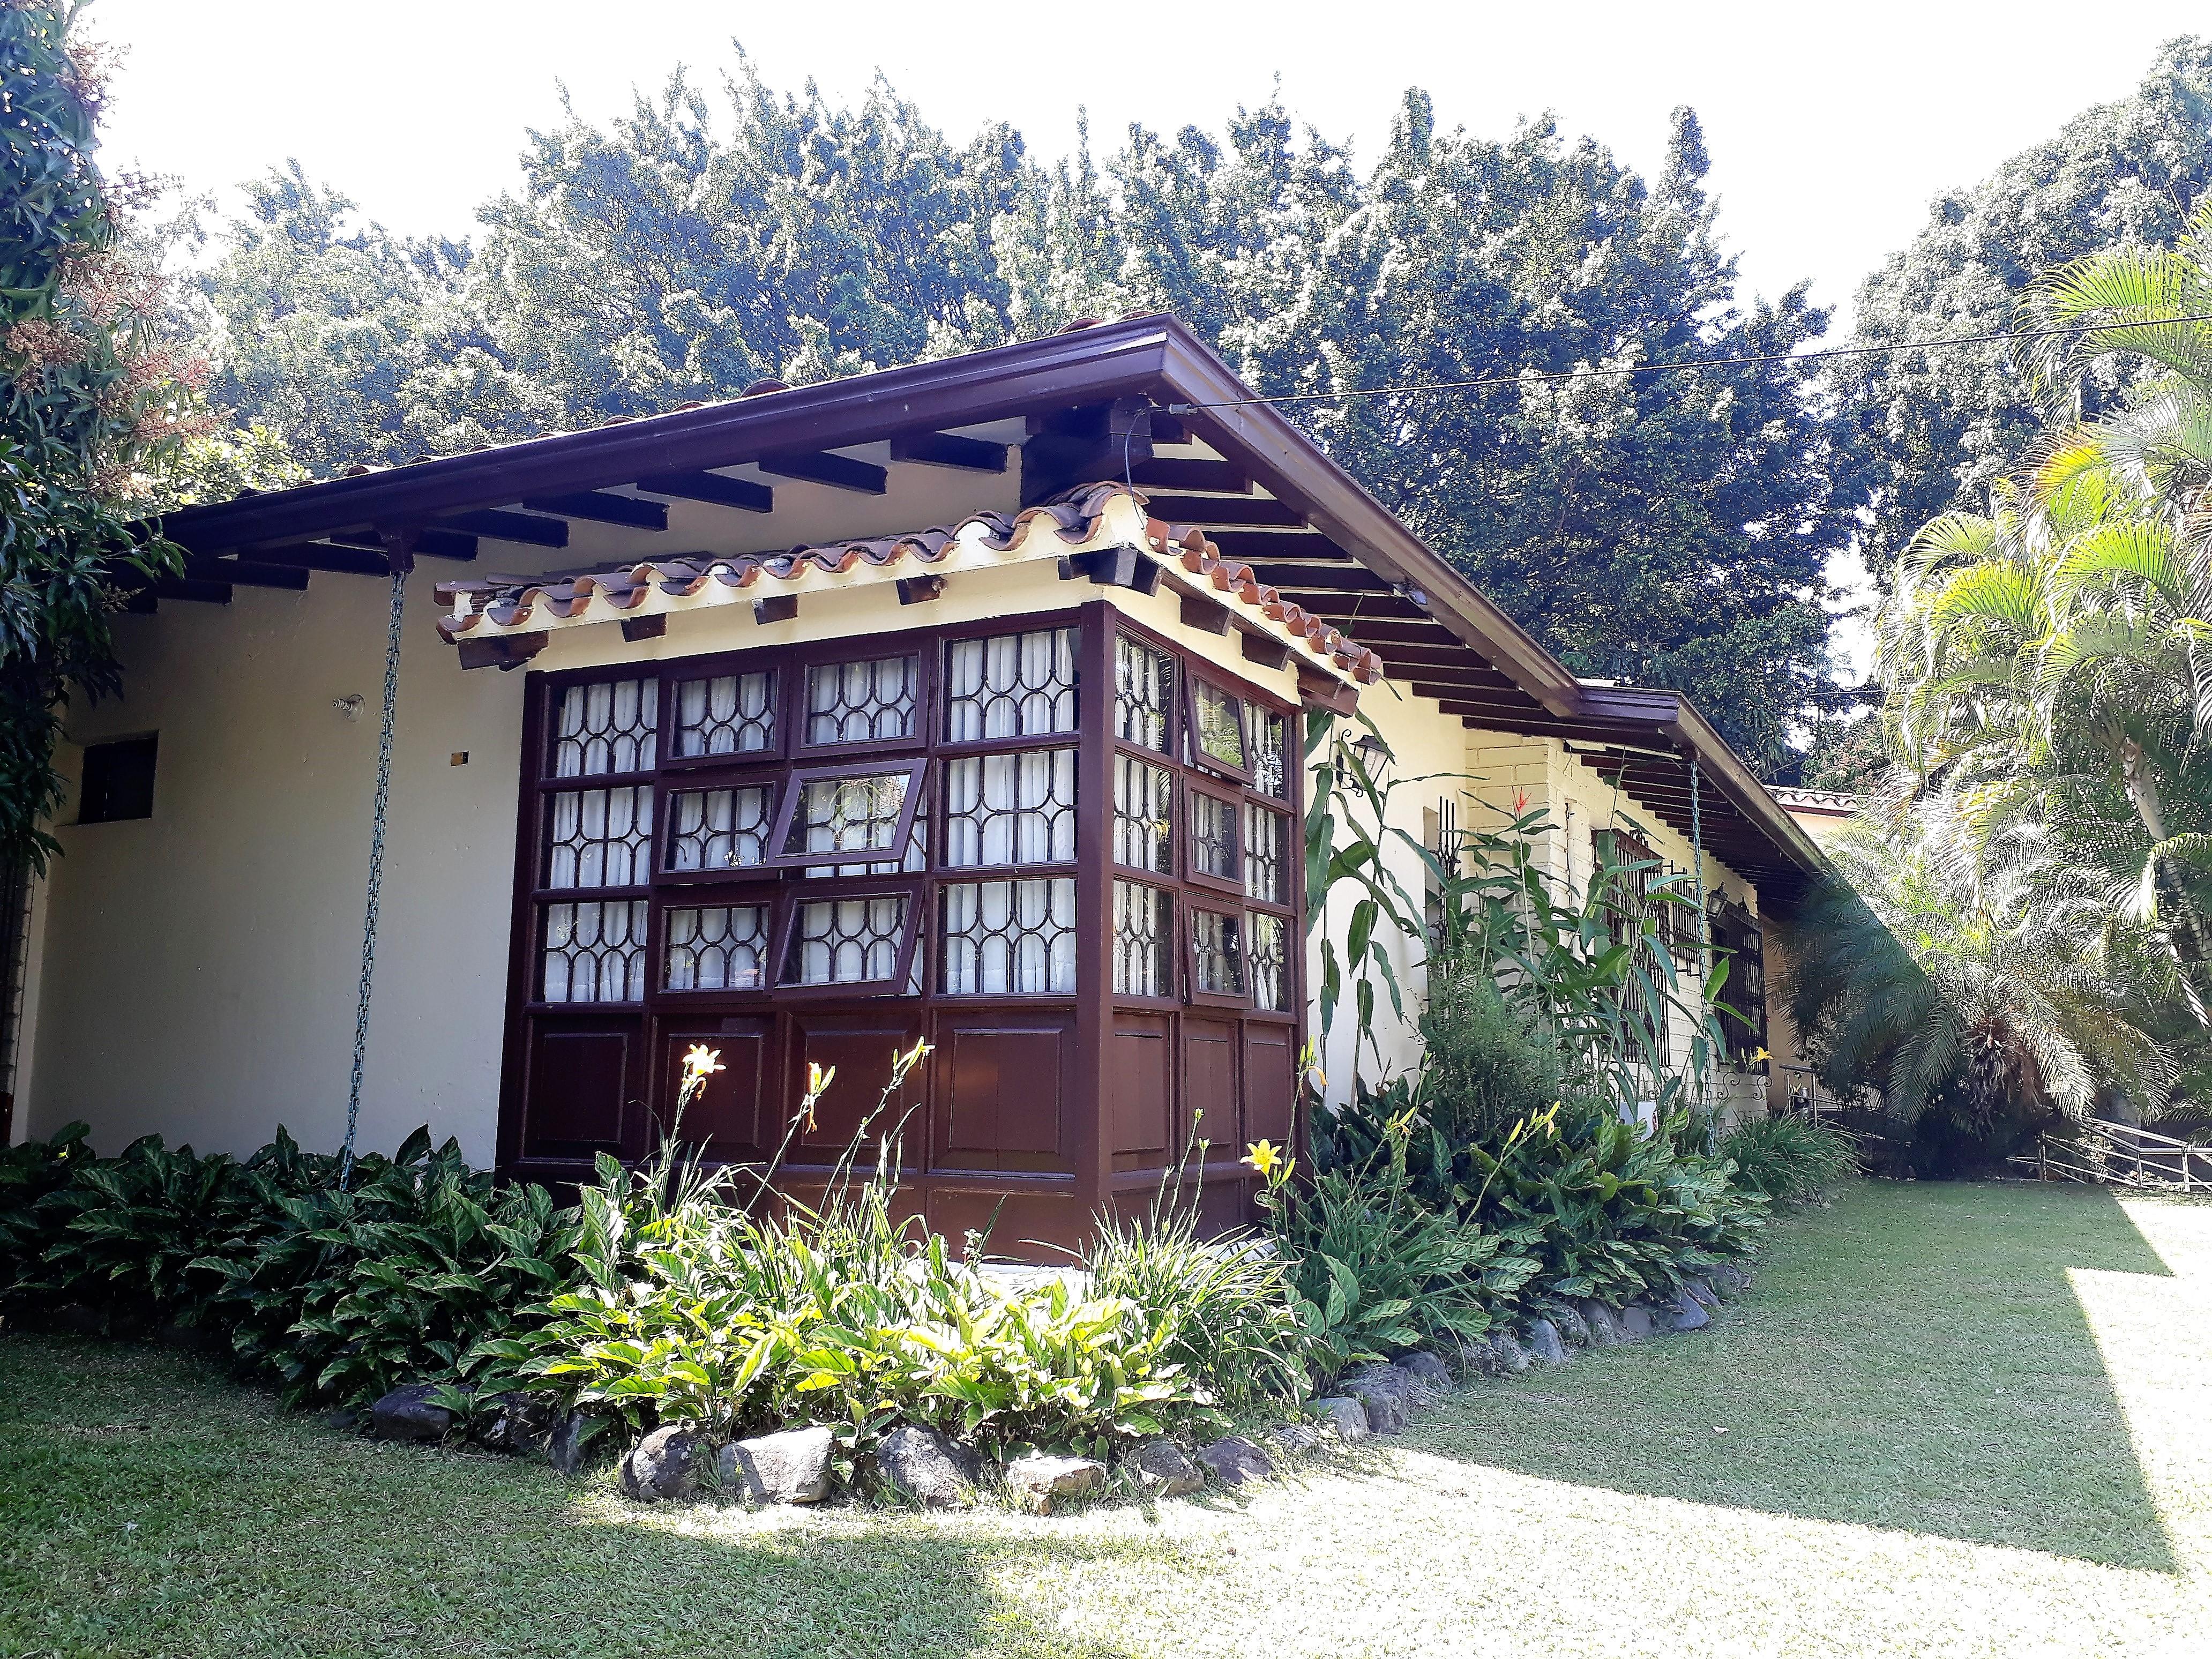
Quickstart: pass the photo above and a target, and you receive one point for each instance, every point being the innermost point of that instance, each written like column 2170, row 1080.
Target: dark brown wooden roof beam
column 822, row 466
column 949, row 449
column 1347, row 579
column 603, row 506
column 323, row 555
column 1278, row 544
column 1352, row 610
column 198, row 589
column 430, row 544
column 528, row 528
column 740, row 495
column 1179, row 472
column 248, row 573
column 1210, row 510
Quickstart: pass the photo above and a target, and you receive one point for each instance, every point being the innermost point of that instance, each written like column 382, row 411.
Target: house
column 959, row 701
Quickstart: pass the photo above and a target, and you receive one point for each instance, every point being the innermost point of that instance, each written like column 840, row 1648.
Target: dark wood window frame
column 1231, row 1047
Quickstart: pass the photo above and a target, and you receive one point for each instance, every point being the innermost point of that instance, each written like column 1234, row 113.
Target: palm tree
column 1992, row 984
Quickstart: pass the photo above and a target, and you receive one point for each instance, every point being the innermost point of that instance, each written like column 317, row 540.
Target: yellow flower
column 1760, row 1057
column 1266, row 1158
column 702, row 1062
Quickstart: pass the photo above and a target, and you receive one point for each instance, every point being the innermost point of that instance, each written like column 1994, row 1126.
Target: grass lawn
column 1955, row 1420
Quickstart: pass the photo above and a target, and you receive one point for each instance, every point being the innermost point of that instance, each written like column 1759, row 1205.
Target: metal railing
column 2121, row 1155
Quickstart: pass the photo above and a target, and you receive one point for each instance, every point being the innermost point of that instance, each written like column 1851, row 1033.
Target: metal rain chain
column 400, row 550
column 1704, row 928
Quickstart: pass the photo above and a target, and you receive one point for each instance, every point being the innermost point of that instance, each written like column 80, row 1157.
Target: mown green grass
column 1958, row 1420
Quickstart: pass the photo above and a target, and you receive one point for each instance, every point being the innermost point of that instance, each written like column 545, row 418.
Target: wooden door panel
column 1270, row 1083
column 1001, row 1086
column 1137, row 1090
column 1212, row 1099
column 733, row 1117
column 860, row 1046
column 578, row 1085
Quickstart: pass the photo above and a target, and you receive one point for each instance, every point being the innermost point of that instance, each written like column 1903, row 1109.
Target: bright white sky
column 1830, row 127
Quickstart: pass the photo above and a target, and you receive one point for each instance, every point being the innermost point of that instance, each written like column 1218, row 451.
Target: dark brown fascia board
column 1688, row 731
column 1294, row 471
column 1092, row 364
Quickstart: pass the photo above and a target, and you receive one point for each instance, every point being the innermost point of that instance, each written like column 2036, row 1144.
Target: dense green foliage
column 1937, row 429
column 1792, row 1159
column 1671, row 528
column 85, row 401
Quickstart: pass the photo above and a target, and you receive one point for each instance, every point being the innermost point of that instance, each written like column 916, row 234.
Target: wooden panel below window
column 1000, row 1086
column 1210, row 1087
column 1271, row 1083
column 578, row 1081
column 1137, row 1090
column 734, row 1116
column 860, row 1046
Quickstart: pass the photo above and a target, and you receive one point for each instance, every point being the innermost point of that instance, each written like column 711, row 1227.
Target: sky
column 1831, row 128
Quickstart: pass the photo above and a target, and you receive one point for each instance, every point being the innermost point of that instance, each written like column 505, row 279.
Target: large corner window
column 1203, row 835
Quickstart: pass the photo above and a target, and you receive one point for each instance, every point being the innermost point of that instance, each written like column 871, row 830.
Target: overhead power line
column 1677, row 368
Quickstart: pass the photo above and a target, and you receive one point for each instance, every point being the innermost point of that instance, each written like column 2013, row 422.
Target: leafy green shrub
column 1489, row 1063
column 1377, row 1271
column 1612, row 1212
column 30, row 1172
column 1226, row 1305
column 1791, row 1159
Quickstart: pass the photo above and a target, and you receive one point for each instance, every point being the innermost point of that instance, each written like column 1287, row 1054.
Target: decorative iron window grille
column 868, row 702
column 1144, row 923
column 720, row 829
column 1011, row 685
column 1144, row 815
column 1217, row 945
column 1214, row 855
column 839, row 816
column 1144, row 695
column 601, row 838
column 1008, row 938
column 847, row 941
column 1269, row 937
column 1271, row 750
column 1266, row 845
column 1217, row 728
column 717, row 948
column 606, row 727
column 728, row 714
column 1016, row 808
column 594, row 951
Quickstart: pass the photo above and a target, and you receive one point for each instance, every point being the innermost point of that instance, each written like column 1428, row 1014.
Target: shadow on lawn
column 147, row 1506
column 1914, row 1358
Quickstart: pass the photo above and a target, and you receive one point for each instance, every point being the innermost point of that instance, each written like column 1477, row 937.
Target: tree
column 1670, row 529
column 1936, row 429
column 87, row 401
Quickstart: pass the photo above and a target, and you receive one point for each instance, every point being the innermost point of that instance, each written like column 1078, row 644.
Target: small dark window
column 118, row 781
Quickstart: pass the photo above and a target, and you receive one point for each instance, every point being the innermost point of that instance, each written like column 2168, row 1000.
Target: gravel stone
column 1165, row 1470
column 1512, row 1357
column 1343, row 1416
column 1234, row 1461
column 1636, row 1322
column 1604, row 1327
column 407, row 1414
column 1546, row 1345
column 926, row 1467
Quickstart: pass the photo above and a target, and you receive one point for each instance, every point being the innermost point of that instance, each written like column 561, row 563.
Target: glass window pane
column 1267, row 843
column 720, row 829
column 594, row 952
column 1271, row 968
column 1271, row 752
column 1009, row 938
column 1143, row 798
column 1218, row 954
column 1144, row 694
column 1015, row 685
column 848, row 816
column 1220, row 734
column 846, row 941
column 1010, row 809
column 733, row 714
column 599, row 838
column 717, row 948
column 1144, row 928
column 1213, row 834
column 608, row 725
column 870, row 702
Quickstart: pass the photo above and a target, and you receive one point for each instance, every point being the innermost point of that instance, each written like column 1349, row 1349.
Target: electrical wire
column 1824, row 355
